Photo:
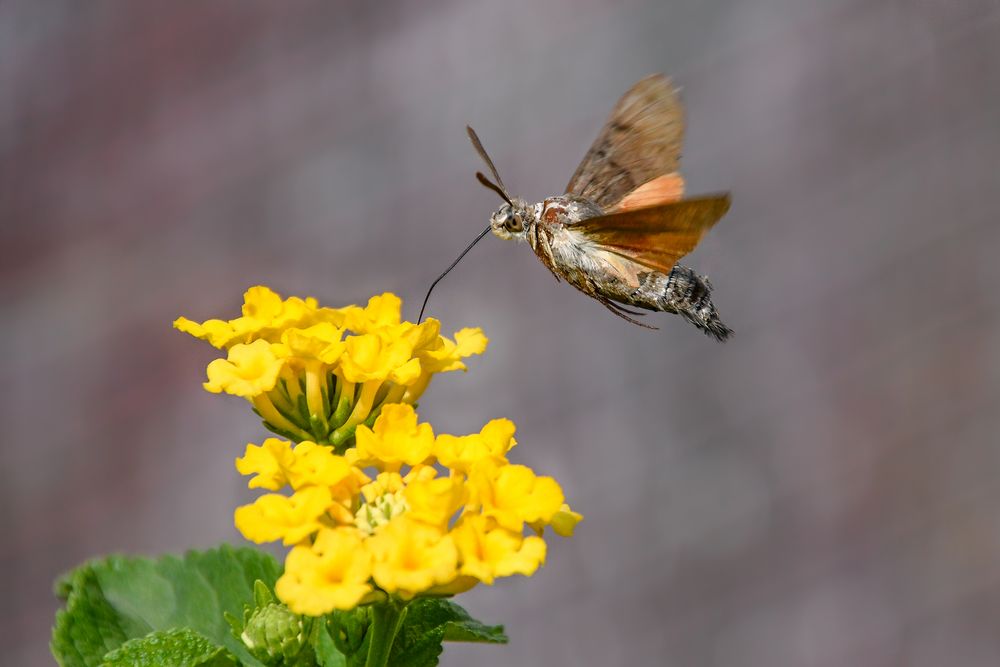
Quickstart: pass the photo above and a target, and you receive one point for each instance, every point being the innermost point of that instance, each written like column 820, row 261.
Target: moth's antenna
column 489, row 163
column 494, row 187
column 497, row 187
column 446, row 271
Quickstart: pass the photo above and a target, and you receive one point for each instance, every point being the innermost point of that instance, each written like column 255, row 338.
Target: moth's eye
column 514, row 224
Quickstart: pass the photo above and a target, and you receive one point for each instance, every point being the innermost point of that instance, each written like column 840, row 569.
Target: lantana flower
column 427, row 528
column 376, row 507
column 317, row 373
column 331, row 573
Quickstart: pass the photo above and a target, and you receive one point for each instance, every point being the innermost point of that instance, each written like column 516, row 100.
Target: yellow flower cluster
column 317, row 373
column 404, row 513
column 378, row 505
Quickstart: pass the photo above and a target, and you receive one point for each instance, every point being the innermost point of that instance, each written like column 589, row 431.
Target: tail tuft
column 711, row 326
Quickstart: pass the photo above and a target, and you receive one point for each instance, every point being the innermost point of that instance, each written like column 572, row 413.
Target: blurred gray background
column 821, row 491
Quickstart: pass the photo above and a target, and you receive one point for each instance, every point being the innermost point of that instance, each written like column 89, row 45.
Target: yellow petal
column 435, row 501
column 513, row 495
column 261, row 303
column 321, row 341
column 564, row 521
column 269, row 461
column 249, row 370
column 470, row 341
column 488, row 551
column 408, row 557
column 317, row 465
column 368, row 357
column 217, row 333
column 498, row 436
column 395, row 439
column 290, row 519
column 406, row 374
column 381, row 311
column 330, row 574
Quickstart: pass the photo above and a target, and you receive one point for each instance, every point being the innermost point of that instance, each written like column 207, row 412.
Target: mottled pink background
column 822, row 491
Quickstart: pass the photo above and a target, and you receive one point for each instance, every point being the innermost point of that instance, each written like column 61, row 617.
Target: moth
column 621, row 226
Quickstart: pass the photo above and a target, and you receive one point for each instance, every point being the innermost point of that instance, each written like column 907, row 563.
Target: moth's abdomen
column 684, row 292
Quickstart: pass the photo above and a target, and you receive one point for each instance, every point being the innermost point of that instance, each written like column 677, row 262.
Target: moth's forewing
column 655, row 237
column 640, row 141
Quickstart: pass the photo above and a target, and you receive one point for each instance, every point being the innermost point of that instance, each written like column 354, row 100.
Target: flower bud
column 274, row 634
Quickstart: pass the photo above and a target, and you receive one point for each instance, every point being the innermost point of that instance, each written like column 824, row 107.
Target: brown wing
column 641, row 141
column 655, row 237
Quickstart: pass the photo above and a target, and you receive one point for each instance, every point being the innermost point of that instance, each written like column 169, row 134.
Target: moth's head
column 512, row 221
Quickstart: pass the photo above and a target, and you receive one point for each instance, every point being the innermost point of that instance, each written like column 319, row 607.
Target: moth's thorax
column 567, row 210
column 564, row 250
column 556, row 216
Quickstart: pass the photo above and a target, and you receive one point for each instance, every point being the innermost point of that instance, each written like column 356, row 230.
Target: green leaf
column 178, row 648
column 113, row 600
column 431, row 621
column 327, row 654
column 88, row 627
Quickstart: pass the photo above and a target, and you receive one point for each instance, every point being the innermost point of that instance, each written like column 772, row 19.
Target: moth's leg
column 634, row 313
column 624, row 313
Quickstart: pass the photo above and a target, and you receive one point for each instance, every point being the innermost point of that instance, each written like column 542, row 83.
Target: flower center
column 379, row 512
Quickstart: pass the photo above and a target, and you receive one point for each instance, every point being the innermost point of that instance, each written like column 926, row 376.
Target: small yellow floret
column 382, row 311
column 249, row 370
column 395, row 439
column 491, row 443
column 369, row 357
column 317, row 465
column 321, row 341
column 488, row 551
column 564, row 521
column 514, row 495
column 290, row 519
column 269, row 462
column 330, row 574
column 409, row 557
column 435, row 501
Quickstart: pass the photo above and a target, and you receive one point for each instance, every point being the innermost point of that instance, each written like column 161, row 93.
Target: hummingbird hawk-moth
column 622, row 224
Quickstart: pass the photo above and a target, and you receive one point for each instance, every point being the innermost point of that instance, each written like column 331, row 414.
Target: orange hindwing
column 664, row 189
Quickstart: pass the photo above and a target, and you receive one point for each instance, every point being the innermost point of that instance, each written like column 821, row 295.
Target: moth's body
column 598, row 272
column 548, row 229
column 618, row 231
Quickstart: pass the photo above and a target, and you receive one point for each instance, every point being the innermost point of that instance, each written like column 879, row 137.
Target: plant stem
column 387, row 617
